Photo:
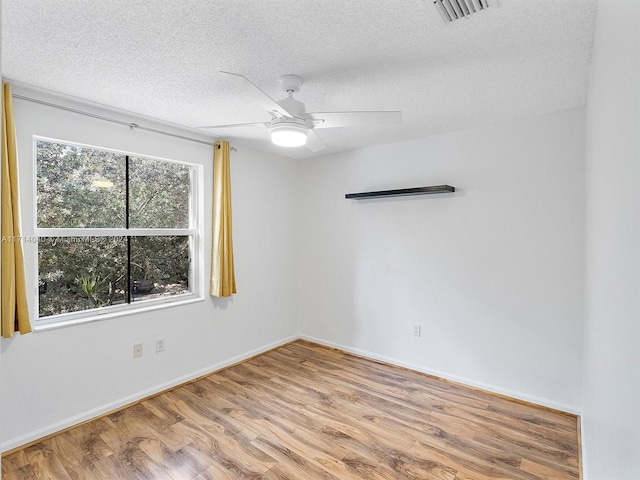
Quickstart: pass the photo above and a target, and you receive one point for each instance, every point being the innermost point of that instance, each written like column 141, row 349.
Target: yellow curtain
column 223, row 278
column 15, row 313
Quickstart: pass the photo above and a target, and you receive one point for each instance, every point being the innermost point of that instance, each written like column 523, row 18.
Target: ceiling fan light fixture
column 288, row 134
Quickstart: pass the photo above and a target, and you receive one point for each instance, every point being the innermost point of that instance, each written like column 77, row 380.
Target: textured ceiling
column 160, row 58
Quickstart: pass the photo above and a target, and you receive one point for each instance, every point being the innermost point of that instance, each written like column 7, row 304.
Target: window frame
column 141, row 305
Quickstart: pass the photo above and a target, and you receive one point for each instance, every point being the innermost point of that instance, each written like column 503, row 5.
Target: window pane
column 159, row 266
column 79, row 187
column 81, row 273
column 159, row 194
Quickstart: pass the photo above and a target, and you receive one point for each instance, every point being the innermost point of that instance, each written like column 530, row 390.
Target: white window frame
column 100, row 313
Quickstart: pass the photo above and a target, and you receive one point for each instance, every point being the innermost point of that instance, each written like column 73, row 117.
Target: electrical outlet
column 417, row 330
column 159, row 345
column 137, row 350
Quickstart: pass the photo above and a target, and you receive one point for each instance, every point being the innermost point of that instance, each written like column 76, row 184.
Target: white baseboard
column 112, row 406
column 447, row 376
column 583, row 450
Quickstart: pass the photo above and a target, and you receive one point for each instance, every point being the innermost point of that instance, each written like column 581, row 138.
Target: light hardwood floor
column 303, row 411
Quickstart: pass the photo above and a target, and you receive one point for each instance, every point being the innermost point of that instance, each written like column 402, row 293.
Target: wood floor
column 307, row 412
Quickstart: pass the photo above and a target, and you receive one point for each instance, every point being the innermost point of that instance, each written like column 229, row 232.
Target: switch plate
column 417, row 330
column 159, row 345
column 137, row 350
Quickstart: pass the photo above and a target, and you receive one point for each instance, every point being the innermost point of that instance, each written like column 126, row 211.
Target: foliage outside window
column 112, row 229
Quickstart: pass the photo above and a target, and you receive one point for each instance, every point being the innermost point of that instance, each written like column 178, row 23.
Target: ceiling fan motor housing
column 294, row 107
column 288, row 124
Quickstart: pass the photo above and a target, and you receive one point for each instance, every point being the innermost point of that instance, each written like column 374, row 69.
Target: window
column 114, row 231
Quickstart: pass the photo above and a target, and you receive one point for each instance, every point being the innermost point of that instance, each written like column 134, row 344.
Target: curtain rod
column 131, row 125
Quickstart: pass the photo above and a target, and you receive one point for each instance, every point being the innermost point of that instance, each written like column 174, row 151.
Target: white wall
column 492, row 272
column 611, row 417
column 55, row 378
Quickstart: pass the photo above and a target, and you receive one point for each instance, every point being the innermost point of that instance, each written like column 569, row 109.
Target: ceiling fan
column 291, row 125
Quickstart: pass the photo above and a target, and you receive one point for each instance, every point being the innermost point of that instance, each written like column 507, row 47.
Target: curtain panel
column 15, row 312
column 223, row 279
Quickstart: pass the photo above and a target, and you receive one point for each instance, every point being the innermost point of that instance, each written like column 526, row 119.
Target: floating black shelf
column 402, row 192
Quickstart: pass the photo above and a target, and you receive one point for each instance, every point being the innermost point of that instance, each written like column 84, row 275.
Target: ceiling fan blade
column 234, row 125
column 354, row 119
column 314, row 143
column 257, row 95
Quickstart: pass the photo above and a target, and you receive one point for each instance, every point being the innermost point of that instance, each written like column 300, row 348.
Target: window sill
column 46, row 325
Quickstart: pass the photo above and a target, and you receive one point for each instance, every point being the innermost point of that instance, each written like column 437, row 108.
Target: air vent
column 451, row 10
